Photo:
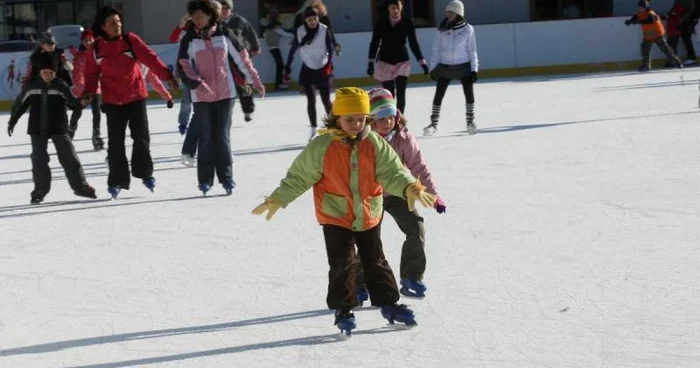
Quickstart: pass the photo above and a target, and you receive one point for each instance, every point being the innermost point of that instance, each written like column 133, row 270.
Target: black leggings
column 443, row 83
column 397, row 87
column 310, row 91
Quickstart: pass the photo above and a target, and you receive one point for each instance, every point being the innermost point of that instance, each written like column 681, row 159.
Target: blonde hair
column 321, row 9
column 318, row 8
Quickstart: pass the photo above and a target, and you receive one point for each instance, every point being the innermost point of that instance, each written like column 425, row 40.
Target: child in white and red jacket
column 386, row 120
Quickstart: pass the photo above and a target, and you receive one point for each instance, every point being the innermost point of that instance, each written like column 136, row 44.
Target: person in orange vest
column 654, row 32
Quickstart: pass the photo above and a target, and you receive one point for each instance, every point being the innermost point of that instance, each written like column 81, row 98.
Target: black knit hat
column 310, row 12
column 643, row 3
column 391, row 2
column 45, row 61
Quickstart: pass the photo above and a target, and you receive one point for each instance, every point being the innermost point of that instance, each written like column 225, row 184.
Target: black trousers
column 687, row 41
column 324, row 89
column 340, row 248
column 397, row 87
column 41, row 173
column 134, row 116
column 413, row 251
column 279, row 66
column 443, row 83
column 247, row 102
column 96, row 116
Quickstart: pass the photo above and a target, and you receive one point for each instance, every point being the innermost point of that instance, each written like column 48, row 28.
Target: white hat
column 456, row 6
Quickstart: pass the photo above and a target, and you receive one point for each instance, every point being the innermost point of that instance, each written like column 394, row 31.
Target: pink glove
column 440, row 206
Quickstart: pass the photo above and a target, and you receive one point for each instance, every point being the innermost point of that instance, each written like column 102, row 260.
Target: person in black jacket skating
column 393, row 65
column 47, row 98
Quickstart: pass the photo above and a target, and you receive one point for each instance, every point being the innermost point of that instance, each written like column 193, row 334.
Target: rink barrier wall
column 505, row 51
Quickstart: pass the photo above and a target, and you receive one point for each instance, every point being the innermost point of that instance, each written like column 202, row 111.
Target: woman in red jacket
column 115, row 63
column 79, row 54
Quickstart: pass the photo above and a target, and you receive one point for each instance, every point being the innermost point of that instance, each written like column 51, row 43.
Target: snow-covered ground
column 570, row 240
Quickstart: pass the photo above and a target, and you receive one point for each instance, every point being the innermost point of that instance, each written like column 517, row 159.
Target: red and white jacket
column 212, row 62
column 117, row 67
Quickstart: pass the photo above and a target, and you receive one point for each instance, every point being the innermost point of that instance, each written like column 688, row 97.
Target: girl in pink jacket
column 391, row 125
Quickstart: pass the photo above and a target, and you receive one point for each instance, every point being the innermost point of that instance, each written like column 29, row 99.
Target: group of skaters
column 681, row 20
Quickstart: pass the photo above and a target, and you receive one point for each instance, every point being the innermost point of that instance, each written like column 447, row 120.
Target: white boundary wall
column 501, row 46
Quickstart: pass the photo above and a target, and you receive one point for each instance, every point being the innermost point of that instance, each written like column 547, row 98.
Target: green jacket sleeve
column 389, row 170
column 306, row 170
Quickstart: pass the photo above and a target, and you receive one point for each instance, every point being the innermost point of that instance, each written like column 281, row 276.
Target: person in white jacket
column 454, row 57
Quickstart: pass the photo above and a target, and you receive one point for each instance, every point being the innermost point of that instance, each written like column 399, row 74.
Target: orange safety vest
column 654, row 30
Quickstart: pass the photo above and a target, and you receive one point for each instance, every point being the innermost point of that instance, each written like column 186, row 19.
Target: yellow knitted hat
column 351, row 101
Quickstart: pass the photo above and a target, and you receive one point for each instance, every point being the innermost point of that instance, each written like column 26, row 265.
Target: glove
column 338, row 50
column 170, row 104
column 426, row 71
column 370, row 69
column 328, row 70
column 475, row 76
column 628, row 22
column 10, row 129
column 440, row 205
column 416, row 192
column 270, row 206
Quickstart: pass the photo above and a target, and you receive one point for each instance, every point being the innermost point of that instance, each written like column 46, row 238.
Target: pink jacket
column 406, row 146
column 211, row 64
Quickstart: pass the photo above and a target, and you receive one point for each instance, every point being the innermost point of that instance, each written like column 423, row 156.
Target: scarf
column 206, row 32
column 339, row 134
column 310, row 34
column 446, row 25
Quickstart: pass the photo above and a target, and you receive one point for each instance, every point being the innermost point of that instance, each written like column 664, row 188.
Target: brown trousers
column 340, row 248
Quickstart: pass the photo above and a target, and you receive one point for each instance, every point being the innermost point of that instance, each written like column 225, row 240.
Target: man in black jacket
column 245, row 33
column 46, row 98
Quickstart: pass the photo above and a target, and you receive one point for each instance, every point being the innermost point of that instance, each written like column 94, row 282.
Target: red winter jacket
column 675, row 19
column 79, row 55
column 119, row 72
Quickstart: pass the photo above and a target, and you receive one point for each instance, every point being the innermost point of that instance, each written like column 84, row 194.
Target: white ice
column 570, row 240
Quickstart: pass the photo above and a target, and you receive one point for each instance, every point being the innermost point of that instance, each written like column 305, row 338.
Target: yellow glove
column 416, row 192
column 270, row 206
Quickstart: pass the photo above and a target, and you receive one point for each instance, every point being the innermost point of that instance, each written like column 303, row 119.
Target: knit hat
column 310, row 12
column 45, row 61
column 47, row 38
column 382, row 103
column 87, row 33
column 643, row 3
column 218, row 8
column 228, row 3
column 456, row 6
column 350, row 101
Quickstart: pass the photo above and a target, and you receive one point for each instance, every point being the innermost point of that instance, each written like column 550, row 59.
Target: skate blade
column 414, row 297
column 401, row 326
column 344, row 335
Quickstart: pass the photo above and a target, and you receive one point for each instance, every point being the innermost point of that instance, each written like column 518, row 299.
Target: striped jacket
column 348, row 179
column 47, row 107
column 210, row 65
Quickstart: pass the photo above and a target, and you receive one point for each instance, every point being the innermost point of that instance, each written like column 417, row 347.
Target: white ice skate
column 188, row 160
column 312, row 133
column 430, row 130
column 471, row 128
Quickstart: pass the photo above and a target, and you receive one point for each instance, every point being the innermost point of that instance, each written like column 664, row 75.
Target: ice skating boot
column 644, row 68
column 36, row 199
column 97, row 143
column 312, row 133
column 362, row 295
column 248, row 117
column 187, row 160
column 413, row 289
column 204, row 188
column 399, row 313
column 228, row 186
column 114, row 191
column 86, row 191
column 434, row 118
column 471, row 127
column 150, row 183
column 345, row 320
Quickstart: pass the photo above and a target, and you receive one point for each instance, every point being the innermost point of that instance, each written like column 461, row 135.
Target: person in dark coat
column 46, row 99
